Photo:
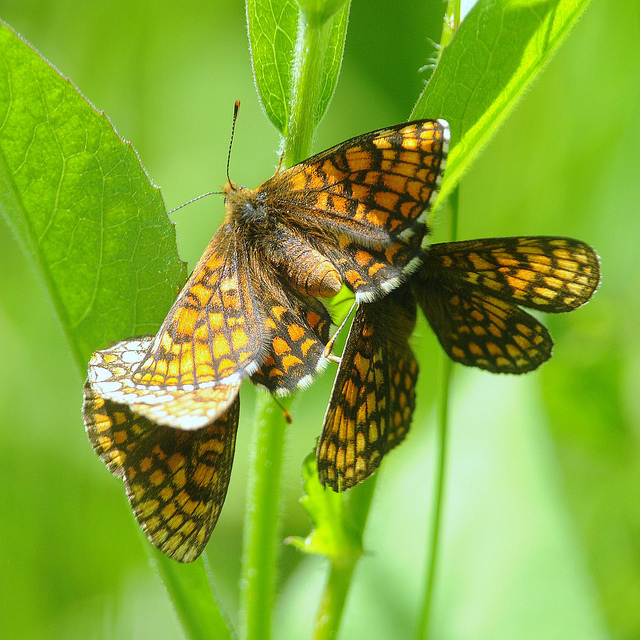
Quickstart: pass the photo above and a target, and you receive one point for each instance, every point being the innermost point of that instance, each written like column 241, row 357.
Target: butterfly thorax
column 270, row 232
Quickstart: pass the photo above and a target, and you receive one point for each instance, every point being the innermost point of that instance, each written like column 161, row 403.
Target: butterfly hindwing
column 373, row 396
column 176, row 480
column 479, row 330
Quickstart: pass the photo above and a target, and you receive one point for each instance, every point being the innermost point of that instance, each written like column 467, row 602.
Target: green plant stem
column 262, row 530
column 357, row 505
column 313, row 45
column 190, row 592
column 424, row 617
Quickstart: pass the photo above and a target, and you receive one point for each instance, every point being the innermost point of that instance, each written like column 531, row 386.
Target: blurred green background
column 542, row 516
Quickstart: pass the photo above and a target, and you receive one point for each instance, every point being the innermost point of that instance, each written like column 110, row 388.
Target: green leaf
column 273, row 30
column 495, row 55
column 97, row 231
column 335, row 534
column 296, row 54
column 82, row 206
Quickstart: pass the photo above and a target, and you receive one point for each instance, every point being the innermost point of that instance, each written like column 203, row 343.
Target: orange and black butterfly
column 354, row 215
column 471, row 293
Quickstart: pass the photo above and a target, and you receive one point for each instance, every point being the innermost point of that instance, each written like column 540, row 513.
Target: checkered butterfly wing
column 232, row 317
column 176, row 480
column 363, row 204
column 471, row 293
column 110, row 375
column 373, row 396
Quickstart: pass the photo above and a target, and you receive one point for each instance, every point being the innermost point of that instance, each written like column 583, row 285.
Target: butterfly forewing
column 215, row 332
column 176, row 480
column 373, row 396
column 365, row 201
column 546, row 273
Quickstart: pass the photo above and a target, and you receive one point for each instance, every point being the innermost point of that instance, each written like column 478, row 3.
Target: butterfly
column 162, row 411
column 353, row 215
column 471, row 293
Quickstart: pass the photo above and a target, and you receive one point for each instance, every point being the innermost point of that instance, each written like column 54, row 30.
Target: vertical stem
column 261, row 530
column 357, row 505
column 190, row 593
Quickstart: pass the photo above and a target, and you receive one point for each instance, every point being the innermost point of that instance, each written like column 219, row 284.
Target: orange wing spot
column 202, row 354
column 354, row 278
column 363, row 257
column 229, row 284
column 394, row 182
column 186, row 363
column 409, row 209
column 513, row 351
column 313, row 319
column 458, row 352
column 408, row 170
column 295, row 331
column 306, row 345
column 479, row 262
column 358, row 159
column 175, row 462
column 289, row 361
column 146, row 464
column 545, row 293
column 410, row 157
column 475, row 349
column 381, row 143
column 174, row 368
column 554, row 283
column 359, row 191
column 322, row 200
column 280, row 346
column 315, row 180
column 203, row 474
column 220, row 346
column 179, row 478
column 201, row 293
column 372, row 177
column 216, row 321
column 278, row 311
column 387, row 200
column 226, row 365
column 378, row 217
column 201, row 334
column 330, row 169
column 494, row 349
column 374, row 268
column 411, row 144
column 414, row 189
column 239, row 338
column 165, row 342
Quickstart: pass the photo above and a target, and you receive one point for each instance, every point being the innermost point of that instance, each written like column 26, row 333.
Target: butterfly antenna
column 204, row 195
column 236, row 108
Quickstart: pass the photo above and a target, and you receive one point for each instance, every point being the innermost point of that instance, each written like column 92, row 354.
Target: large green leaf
column 97, row 231
column 82, row 205
column 494, row 56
